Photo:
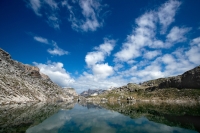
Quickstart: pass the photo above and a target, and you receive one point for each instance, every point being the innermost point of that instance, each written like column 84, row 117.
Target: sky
column 98, row 44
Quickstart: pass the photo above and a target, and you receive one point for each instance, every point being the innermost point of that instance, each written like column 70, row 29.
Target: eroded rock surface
column 20, row 83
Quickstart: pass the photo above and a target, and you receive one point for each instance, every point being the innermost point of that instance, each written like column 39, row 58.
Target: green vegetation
column 158, row 94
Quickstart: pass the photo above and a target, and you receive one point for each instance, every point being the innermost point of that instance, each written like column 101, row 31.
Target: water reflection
column 99, row 118
column 17, row 118
column 91, row 118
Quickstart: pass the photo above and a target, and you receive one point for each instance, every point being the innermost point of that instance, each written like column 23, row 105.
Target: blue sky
column 96, row 44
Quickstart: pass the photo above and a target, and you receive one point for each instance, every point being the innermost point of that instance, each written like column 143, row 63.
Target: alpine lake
column 100, row 117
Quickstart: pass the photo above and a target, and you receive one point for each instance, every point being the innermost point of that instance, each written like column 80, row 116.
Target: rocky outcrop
column 180, row 89
column 21, row 83
column 91, row 92
column 189, row 79
column 70, row 92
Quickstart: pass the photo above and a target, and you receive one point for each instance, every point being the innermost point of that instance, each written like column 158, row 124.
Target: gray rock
column 20, row 83
column 189, row 79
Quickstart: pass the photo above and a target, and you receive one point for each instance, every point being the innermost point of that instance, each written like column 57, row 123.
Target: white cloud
column 193, row 53
column 168, row 59
column 57, row 51
column 177, row 35
column 137, row 74
column 196, row 41
column 93, row 57
column 51, row 3
column 151, row 54
column 147, row 20
column 89, row 81
column 100, row 74
column 56, row 72
column 146, row 41
column 102, row 71
column 144, row 34
column 54, row 21
column 95, row 61
column 35, row 5
column 158, row 44
column 117, row 66
column 101, row 52
column 152, row 71
column 41, row 39
column 166, row 14
column 91, row 13
column 47, row 9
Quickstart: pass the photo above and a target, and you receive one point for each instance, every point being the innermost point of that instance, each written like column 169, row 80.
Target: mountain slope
column 181, row 88
column 22, row 83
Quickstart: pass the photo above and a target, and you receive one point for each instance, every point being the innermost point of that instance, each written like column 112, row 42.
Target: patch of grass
column 160, row 94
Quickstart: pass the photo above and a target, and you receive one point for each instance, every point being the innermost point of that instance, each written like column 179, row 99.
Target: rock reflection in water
column 17, row 118
column 91, row 118
column 179, row 115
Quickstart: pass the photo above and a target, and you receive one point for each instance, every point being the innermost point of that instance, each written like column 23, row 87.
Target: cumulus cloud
column 57, row 51
column 196, row 41
column 89, row 81
column 93, row 57
column 193, row 53
column 102, row 70
column 151, row 40
column 41, row 39
column 56, row 72
column 177, row 35
column 166, row 14
column 101, row 52
column 99, row 74
column 144, row 34
column 147, row 41
column 151, row 54
column 95, row 60
column 91, row 18
column 168, row 59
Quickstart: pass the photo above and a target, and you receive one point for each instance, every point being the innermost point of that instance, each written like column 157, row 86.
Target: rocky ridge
column 91, row 92
column 181, row 88
column 20, row 83
column 188, row 80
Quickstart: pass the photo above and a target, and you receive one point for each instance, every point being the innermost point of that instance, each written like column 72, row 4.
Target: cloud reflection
column 81, row 119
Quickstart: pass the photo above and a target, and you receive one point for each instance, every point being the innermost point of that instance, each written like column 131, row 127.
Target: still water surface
column 99, row 120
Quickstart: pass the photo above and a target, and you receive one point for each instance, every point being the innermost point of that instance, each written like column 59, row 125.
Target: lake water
column 91, row 118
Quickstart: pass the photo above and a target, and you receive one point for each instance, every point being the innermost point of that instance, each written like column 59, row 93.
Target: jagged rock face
column 70, row 91
column 22, row 83
column 189, row 79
